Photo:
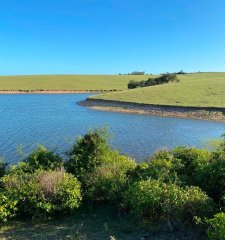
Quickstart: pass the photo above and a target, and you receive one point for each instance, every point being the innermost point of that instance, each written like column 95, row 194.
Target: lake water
column 56, row 120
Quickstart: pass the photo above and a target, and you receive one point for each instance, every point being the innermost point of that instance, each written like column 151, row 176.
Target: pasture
column 197, row 90
column 67, row 82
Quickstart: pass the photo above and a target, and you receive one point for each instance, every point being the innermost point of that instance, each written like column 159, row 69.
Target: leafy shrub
column 182, row 165
column 194, row 202
column 161, row 166
column 87, row 153
column 7, row 207
column 216, row 227
column 108, row 181
column 41, row 158
column 155, row 200
column 213, row 175
column 222, row 144
column 144, row 198
column 3, row 167
column 188, row 167
column 140, row 172
column 42, row 193
column 192, row 161
column 20, row 168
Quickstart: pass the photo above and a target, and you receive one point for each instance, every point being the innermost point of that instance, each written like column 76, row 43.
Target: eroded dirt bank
column 216, row 114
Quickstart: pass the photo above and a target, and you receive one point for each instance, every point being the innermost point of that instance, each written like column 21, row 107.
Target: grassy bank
column 66, row 82
column 95, row 223
column 195, row 90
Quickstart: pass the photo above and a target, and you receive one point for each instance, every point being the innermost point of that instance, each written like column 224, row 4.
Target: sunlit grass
column 67, row 82
column 200, row 89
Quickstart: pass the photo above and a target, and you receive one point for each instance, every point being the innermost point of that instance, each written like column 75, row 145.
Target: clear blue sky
column 111, row 36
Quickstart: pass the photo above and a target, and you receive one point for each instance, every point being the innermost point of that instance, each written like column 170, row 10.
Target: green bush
column 3, row 167
column 182, row 164
column 156, row 200
column 213, row 175
column 192, row 161
column 41, row 158
column 108, row 181
column 7, row 207
column 88, row 152
column 42, row 193
column 216, row 227
column 140, row 172
column 161, row 166
column 194, row 202
column 19, row 168
column 144, row 198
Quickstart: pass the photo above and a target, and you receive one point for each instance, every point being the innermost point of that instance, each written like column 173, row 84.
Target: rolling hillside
column 199, row 89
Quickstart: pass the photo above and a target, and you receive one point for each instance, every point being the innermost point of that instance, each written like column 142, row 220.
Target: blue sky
column 111, row 36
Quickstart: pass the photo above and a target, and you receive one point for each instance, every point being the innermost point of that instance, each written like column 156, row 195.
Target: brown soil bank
column 208, row 113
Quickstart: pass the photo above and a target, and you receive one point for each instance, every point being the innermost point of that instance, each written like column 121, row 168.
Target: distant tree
column 133, row 84
column 138, row 73
column 181, row 72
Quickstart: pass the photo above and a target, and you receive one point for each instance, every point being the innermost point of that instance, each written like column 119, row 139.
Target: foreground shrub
column 191, row 162
column 41, row 158
column 216, row 227
column 194, row 202
column 188, row 167
column 20, row 168
column 182, row 165
column 3, row 167
column 158, row 169
column 109, row 181
column 87, row 153
column 213, row 176
column 43, row 193
column 161, row 166
column 156, row 200
column 7, row 207
column 143, row 198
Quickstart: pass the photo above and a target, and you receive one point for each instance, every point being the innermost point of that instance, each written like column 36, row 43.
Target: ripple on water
column 55, row 121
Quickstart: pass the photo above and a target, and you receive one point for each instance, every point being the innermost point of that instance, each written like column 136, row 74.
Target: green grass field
column 66, row 82
column 199, row 89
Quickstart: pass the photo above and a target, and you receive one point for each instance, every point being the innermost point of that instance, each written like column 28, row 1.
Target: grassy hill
column 199, row 89
column 67, row 82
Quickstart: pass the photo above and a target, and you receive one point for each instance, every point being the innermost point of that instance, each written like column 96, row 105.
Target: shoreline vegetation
column 51, row 91
column 94, row 192
column 205, row 113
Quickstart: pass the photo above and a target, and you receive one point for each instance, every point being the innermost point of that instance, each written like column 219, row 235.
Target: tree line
column 165, row 78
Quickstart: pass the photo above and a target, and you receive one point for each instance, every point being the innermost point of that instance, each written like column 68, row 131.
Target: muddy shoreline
column 205, row 113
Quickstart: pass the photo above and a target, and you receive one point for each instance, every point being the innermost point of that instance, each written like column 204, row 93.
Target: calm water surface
column 55, row 121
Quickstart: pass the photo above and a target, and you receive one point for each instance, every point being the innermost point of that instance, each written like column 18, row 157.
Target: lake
column 55, row 120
